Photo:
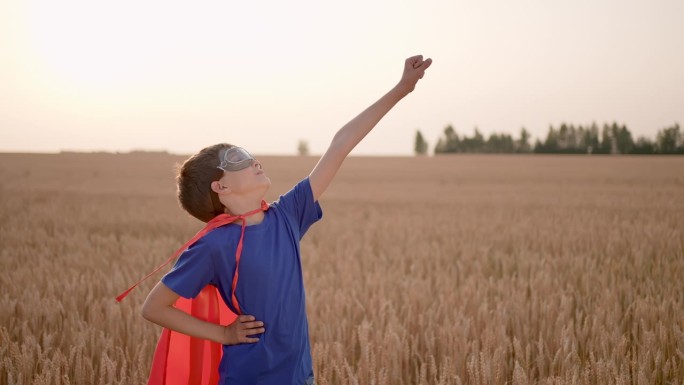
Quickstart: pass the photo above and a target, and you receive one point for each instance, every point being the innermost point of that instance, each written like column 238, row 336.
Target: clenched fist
column 414, row 69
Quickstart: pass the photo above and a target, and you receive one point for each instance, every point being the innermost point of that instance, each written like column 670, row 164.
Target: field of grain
column 470, row 269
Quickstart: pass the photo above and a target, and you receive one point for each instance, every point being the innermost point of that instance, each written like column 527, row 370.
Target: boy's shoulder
column 218, row 237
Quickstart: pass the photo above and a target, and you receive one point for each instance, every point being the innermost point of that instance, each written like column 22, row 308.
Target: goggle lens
column 235, row 159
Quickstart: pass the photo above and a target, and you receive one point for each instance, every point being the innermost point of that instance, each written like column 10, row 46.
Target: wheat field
column 469, row 269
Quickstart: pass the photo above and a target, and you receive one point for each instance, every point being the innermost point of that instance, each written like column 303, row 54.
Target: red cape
column 182, row 360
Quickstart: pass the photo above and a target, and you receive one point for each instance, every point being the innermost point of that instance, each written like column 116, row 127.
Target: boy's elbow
column 149, row 311
column 341, row 143
column 338, row 151
column 146, row 311
column 157, row 302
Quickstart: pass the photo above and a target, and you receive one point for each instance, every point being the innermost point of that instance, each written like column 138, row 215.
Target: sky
column 181, row 75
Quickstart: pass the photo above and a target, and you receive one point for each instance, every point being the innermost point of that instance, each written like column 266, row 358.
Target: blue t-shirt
column 271, row 288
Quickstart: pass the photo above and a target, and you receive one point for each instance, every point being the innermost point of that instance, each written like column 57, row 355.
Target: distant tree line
column 565, row 139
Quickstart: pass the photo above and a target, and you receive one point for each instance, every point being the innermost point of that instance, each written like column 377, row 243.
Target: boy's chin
column 266, row 182
column 265, row 185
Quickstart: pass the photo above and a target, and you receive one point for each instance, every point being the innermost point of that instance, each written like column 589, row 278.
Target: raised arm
column 356, row 129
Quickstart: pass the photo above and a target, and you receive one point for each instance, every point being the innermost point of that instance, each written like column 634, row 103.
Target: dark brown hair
column 193, row 181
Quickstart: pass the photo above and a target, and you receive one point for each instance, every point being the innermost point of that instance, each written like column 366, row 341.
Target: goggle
column 234, row 159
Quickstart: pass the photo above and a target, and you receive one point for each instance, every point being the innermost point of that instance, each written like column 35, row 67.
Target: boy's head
column 220, row 177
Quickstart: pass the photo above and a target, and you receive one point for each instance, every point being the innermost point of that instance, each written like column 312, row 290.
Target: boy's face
column 243, row 176
column 250, row 179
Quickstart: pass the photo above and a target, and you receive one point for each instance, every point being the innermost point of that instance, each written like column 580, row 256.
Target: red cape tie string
column 217, row 221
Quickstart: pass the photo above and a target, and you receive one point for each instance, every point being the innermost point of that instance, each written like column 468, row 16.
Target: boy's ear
column 218, row 188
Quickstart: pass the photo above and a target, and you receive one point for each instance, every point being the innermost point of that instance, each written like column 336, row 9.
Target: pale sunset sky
column 181, row 75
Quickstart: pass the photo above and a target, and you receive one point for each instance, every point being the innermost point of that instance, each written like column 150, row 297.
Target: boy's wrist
column 219, row 334
column 402, row 89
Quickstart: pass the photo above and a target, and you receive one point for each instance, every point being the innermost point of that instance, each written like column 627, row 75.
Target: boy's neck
column 243, row 207
column 253, row 219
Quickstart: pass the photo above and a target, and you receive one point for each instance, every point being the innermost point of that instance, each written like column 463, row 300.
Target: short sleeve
column 298, row 204
column 193, row 270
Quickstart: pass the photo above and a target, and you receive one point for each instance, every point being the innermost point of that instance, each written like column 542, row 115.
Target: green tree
column 592, row 139
column 538, row 147
column 551, row 143
column 440, row 147
column 564, row 138
column 449, row 142
column 499, row 143
column 523, row 144
column 606, row 140
column 452, row 140
column 303, row 148
column 644, row 146
column 421, row 146
column 623, row 140
column 669, row 140
column 474, row 144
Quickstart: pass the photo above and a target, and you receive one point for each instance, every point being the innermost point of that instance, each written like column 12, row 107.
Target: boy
column 254, row 263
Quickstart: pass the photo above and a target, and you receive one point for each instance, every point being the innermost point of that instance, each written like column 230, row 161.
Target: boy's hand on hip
column 414, row 69
column 241, row 329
